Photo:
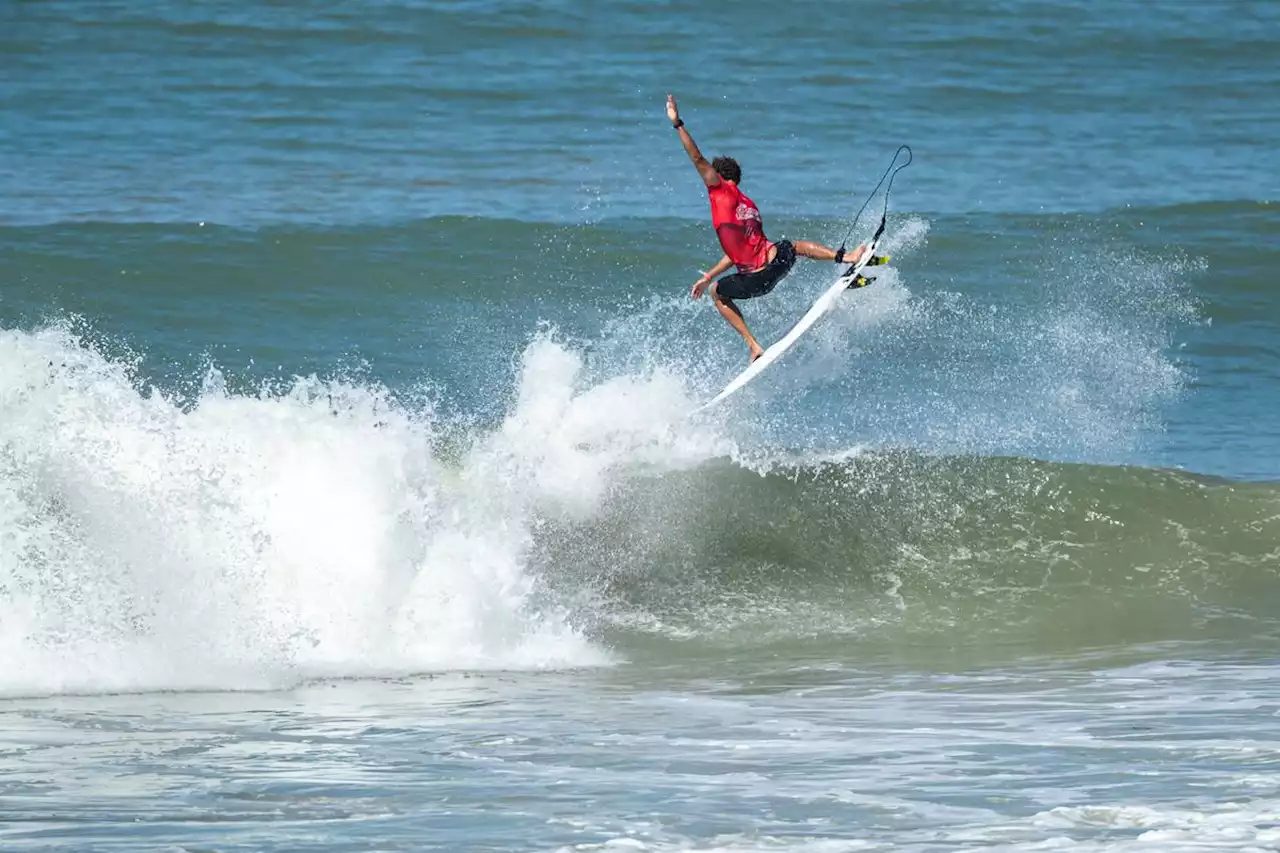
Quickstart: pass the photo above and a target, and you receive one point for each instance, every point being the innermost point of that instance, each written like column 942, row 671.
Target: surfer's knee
column 724, row 303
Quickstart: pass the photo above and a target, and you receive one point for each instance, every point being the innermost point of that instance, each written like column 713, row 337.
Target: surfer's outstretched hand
column 699, row 287
column 673, row 112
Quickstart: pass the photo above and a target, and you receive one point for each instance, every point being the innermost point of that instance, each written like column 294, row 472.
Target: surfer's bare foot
column 756, row 353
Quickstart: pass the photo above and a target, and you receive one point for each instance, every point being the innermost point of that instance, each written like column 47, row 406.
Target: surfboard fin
column 860, row 280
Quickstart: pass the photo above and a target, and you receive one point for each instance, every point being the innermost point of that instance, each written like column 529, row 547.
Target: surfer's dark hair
column 727, row 168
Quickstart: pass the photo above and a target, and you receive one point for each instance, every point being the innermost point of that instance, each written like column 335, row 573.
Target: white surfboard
column 821, row 306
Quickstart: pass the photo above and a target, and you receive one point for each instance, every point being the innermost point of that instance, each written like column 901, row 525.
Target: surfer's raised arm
column 709, row 176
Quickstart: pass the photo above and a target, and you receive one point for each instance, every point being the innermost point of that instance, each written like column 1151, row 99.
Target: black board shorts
column 748, row 285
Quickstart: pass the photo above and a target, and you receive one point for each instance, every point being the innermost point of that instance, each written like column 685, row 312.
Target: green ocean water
column 349, row 496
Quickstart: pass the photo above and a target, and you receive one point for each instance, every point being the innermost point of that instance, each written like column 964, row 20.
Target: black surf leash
column 889, row 173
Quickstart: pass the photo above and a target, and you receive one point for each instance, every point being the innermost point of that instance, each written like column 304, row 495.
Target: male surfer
column 761, row 264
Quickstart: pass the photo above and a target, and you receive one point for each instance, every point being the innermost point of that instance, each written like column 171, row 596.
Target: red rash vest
column 737, row 222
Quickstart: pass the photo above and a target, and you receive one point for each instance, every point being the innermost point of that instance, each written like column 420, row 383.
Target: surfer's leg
column 730, row 312
column 819, row 252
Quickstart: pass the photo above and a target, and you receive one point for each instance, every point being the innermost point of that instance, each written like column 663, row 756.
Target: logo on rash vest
column 746, row 212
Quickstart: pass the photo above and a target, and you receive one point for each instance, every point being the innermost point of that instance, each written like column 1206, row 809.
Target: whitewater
column 249, row 542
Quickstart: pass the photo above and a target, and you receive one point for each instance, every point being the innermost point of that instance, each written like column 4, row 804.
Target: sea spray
column 1076, row 362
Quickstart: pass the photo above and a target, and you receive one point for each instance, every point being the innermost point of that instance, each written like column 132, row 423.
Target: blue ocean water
column 349, row 498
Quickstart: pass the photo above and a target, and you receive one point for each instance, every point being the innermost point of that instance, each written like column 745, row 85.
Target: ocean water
column 349, row 494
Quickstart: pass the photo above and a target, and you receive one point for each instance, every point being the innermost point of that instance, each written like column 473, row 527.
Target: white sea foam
column 252, row 541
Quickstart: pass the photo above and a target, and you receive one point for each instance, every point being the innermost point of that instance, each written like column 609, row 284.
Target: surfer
column 761, row 263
